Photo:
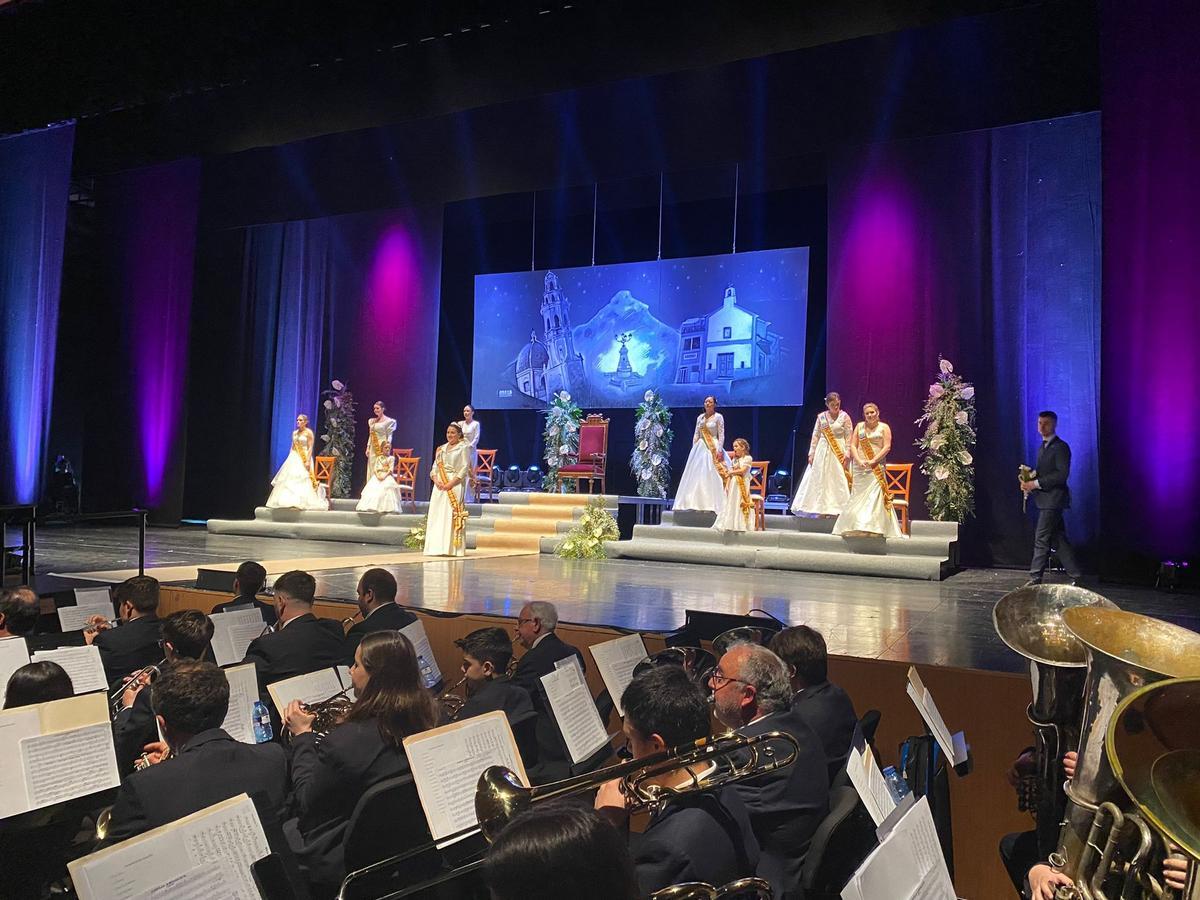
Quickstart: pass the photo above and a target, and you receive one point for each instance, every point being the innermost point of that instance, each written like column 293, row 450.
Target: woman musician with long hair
column 365, row 748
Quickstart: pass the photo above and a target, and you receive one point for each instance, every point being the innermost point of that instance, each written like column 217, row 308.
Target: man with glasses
column 752, row 694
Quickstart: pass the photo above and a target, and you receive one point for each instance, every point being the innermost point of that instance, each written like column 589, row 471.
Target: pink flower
column 968, row 393
column 945, row 366
column 936, row 390
column 338, row 386
column 960, row 417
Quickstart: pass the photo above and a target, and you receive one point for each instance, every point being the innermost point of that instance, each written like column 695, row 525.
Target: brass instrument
column 699, row 890
column 500, row 796
column 329, row 712
column 693, row 660
column 116, row 695
column 452, row 703
column 1125, row 652
column 105, row 625
column 743, row 634
column 350, row 619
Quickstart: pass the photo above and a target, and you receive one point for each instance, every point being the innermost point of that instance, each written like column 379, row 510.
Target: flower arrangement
column 651, row 459
column 415, row 539
column 561, row 435
column 337, row 406
column 586, row 539
column 949, row 420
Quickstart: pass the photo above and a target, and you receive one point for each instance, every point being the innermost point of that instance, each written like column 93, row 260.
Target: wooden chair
column 406, row 476
column 758, row 492
column 324, row 466
column 405, row 452
column 899, row 483
column 482, row 479
column 592, row 458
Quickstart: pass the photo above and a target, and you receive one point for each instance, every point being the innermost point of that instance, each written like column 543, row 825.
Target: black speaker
column 215, row 580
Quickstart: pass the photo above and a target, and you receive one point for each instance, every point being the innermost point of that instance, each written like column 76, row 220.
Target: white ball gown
column 380, row 432
column 381, row 494
column 866, row 513
column 471, row 438
column 700, row 486
column 824, row 489
column 441, row 536
column 294, row 485
column 733, row 516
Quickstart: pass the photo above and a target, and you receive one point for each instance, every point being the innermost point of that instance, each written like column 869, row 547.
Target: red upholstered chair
column 589, row 464
column 899, row 484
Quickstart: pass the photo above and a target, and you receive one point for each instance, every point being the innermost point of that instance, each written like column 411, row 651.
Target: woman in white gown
column 381, row 494
column 825, row 487
column 701, row 486
column 738, row 512
column 295, row 484
column 869, row 511
column 446, row 527
column 380, row 430
column 470, row 430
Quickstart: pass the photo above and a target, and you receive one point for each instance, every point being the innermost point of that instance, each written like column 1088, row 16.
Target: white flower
column 644, row 445
column 328, row 404
column 325, row 437
column 968, row 393
column 658, row 460
column 333, row 422
column 941, row 473
column 936, row 390
column 337, row 385
column 649, row 395
column 553, row 430
column 337, row 401
column 646, row 474
column 564, row 396
column 960, row 417
column 946, row 367
column 658, row 430
column 937, row 442
column 965, row 458
column 564, row 449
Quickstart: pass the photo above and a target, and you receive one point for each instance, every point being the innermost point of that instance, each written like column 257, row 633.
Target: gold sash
column 458, row 512
column 298, row 446
column 876, row 469
column 373, row 440
column 747, row 504
column 718, row 461
column 827, row 430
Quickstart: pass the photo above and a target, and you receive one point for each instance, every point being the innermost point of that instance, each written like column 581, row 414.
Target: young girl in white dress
column 446, row 527
column 295, row 484
column 381, row 494
column 738, row 511
column 470, row 430
column 869, row 511
column 380, row 430
column 825, row 487
column 701, row 486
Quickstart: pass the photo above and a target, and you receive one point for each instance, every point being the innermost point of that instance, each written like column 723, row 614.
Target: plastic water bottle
column 897, row 786
column 427, row 677
column 262, row 723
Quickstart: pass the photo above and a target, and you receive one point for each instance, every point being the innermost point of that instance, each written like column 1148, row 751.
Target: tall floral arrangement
column 586, row 538
column 561, row 435
column 949, row 420
column 651, row 460
column 337, row 404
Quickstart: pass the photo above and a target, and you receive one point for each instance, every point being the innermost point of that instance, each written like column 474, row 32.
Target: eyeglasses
column 716, row 679
column 521, row 622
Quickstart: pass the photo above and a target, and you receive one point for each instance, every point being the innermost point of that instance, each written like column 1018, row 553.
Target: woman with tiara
column 380, row 428
column 869, row 511
column 381, row 493
column 825, row 487
column 701, row 487
column 738, row 512
column 446, row 527
column 470, row 430
column 295, row 484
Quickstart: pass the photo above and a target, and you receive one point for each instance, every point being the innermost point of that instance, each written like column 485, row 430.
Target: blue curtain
column 35, row 171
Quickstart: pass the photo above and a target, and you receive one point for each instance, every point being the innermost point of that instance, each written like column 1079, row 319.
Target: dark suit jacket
column 209, row 768
column 266, row 610
column 500, row 694
column 129, row 647
column 829, row 711
column 327, row 781
column 553, row 759
column 705, row 837
column 304, row 645
column 787, row 805
column 133, row 729
column 1053, row 469
column 388, row 617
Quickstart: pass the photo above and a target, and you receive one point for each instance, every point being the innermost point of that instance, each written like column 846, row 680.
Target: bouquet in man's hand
column 1025, row 474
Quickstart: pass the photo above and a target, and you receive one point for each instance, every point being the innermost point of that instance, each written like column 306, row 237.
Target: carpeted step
column 508, row 541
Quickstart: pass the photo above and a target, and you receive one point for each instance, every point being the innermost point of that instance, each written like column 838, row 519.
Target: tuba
column 698, row 890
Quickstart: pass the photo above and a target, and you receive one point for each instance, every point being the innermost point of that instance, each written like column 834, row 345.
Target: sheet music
column 232, row 634
column 343, row 673
column 616, row 660
column 14, row 653
column 88, row 603
column 869, row 781
column 575, row 712
column 446, row 764
column 907, row 865
column 81, row 663
column 955, row 751
column 430, row 673
column 15, row 726
column 311, row 688
column 68, row 764
column 226, row 838
column 243, row 692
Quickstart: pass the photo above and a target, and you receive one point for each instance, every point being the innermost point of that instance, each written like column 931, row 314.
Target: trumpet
column 350, row 619
column 452, row 703
column 699, row 890
column 116, row 695
column 102, row 625
column 500, row 796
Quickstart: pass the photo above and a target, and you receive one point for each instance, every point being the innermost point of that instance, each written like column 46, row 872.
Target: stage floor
column 945, row 623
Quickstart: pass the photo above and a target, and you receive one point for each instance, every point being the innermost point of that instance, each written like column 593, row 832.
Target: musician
column 329, row 777
column 186, row 634
column 817, row 700
column 377, row 602
column 1052, row 496
column 301, row 643
column 486, row 655
column 191, row 700
column 19, row 611
column 752, row 693
column 134, row 645
column 247, row 585
column 557, row 850
column 37, row 682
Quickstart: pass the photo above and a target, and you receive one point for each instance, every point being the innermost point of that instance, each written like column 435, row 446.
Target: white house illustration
column 726, row 345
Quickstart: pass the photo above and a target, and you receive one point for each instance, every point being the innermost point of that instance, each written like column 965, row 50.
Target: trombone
column 500, row 796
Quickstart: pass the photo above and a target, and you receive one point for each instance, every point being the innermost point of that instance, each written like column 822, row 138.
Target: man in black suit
column 19, row 611
column 209, row 766
column 700, row 837
column 1052, row 496
column 246, row 587
column 301, row 643
column 486, row 655
column 817, row 700
column 752, row 693
column 377, row 602
column 134, row 644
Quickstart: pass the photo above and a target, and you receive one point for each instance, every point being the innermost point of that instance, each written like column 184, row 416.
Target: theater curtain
column 35, row 172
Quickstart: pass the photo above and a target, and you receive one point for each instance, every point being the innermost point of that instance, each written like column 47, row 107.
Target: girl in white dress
column 738, row 512
column 470, row 430
column 446, row 527
column 295, row 484
column 825, row 487
column 380, row 430
column 869, row 511
column 381, row 494
column 701, row 486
